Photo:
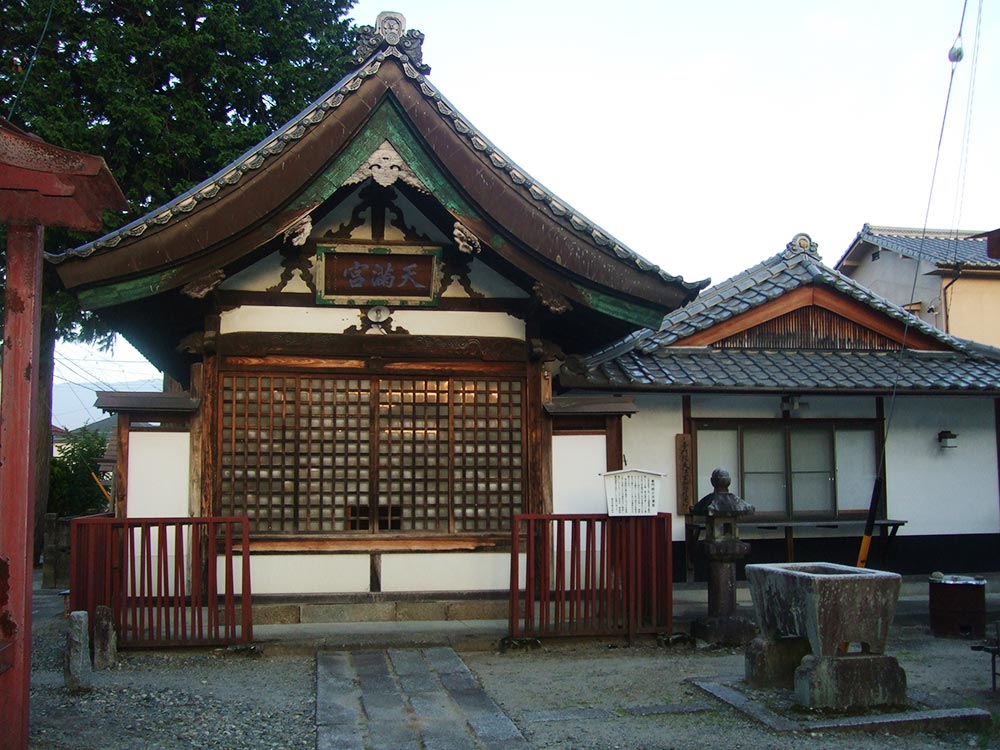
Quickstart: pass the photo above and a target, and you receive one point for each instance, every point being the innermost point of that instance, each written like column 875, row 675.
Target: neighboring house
column 108, row 429
column 367, row 311
column 58, row 438
column 790, row 375
column 106, row 464
column 947, row 278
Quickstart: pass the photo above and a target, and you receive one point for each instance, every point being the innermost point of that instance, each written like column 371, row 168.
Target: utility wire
column 87, row 377
column 956, row 216
column 31, row 64
column 955, row 55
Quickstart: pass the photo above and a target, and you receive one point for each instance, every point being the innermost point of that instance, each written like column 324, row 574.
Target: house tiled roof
column 230, row 176
column 703, row 368
column 653, row 360
column 944, row 248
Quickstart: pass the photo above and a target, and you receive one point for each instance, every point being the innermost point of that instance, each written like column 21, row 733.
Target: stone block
column 364, row 612
column 76, row 659
column 105, row 639
column 479, row 609
column 827, row 604
column 725, row 630
column 276, row 614
column 771, row 663
column 849, row 683
column 423, row 611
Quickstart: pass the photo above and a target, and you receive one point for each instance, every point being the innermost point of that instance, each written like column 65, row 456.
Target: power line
column 31, row 64
column 87, row 377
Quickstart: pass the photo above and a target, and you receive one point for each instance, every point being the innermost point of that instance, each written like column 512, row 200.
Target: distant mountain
column 73, row 404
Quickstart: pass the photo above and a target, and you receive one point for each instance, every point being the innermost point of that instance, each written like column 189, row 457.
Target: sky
column 704, row 136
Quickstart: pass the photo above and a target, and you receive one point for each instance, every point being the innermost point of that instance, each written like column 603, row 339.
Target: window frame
column 787, row 427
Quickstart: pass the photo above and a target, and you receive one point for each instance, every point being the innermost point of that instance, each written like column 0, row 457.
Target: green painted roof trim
column 641, row 315
column 387, row 123
column 126, row 291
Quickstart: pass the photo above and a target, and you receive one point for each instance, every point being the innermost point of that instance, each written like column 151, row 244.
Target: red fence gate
column 169, row 581
column 591, row 575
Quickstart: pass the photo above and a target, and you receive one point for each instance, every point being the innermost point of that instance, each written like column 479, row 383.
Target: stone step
column 438, row 610
column 406, row 698
column 383, row 608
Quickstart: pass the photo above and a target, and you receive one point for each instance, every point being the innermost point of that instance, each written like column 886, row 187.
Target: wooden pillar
column 18, row 472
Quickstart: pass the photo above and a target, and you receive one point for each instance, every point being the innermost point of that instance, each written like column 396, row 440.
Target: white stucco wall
column 648, row 442
column 304, row 574
column 254, row 318
column 936, row 490
column 892, row 277
column 158, row 466
column 712, row 406
column 158, row 487
column 448, row 571
column 351, row 573
column 462, row 323
column 577, row 464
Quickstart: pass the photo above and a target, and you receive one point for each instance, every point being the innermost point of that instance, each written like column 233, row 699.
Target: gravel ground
column 234, row 700
column 529, row 685
column 167, row 700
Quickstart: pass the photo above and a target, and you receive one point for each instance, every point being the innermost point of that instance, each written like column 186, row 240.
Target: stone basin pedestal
column 823, row 629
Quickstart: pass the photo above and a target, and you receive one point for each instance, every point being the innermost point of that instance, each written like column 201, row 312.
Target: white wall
column 351, row 573
column 448, row 571
column 304, row 574
column 892, row 277
column 936, row 490
column 252, row 318
column 158, row 467
column 577, row 464
column 648, row 442
column 735, row 406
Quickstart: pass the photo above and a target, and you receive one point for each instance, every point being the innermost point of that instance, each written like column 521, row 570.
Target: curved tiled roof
column 229, row 177
column 652, row 359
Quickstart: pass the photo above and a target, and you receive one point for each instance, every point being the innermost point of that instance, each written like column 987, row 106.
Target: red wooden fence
column 162, row 578
column 591, row 575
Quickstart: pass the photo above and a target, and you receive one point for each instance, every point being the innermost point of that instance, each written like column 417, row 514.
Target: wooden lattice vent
column 308, row 454
column 809, row 328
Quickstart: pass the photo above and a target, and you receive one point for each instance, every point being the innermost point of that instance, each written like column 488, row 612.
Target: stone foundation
column 848, row 683
column 772, row 663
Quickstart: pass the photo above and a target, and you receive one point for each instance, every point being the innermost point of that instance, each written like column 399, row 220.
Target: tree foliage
column 72, row 489
column 167, row 91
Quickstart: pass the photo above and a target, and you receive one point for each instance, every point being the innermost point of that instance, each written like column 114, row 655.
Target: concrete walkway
column 405, row 698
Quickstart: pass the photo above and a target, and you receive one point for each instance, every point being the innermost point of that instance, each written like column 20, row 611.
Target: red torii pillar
column 40, row 185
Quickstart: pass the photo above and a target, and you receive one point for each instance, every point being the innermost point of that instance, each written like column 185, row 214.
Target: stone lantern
column 722, row 545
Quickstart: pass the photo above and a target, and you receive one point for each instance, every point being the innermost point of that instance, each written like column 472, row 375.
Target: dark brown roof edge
column 129, row 401
column 598, row 403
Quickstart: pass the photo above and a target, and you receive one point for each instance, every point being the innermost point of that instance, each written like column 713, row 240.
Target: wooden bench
column 991, row 648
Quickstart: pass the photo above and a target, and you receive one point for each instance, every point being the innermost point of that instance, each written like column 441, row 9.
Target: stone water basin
column 825, row 603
